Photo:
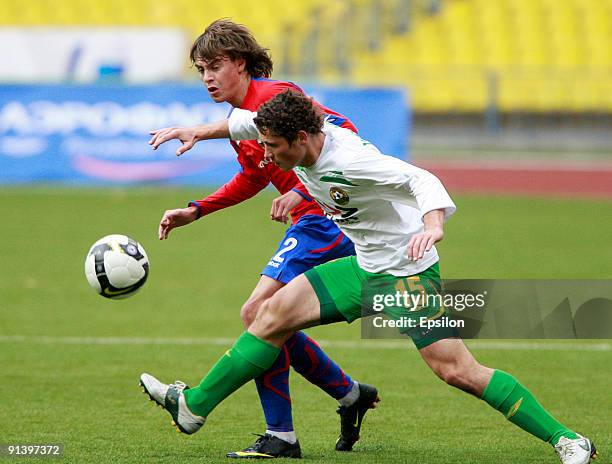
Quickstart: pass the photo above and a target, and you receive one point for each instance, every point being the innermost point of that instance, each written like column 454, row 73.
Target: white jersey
column 378, row 201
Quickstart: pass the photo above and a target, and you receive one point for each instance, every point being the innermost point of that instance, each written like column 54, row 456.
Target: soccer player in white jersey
column 394, row 213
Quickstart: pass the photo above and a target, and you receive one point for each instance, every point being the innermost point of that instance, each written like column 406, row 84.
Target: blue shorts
column 311, row 241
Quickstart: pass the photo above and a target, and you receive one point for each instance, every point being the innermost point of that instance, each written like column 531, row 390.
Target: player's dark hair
column 288, row 113
column 225, row 37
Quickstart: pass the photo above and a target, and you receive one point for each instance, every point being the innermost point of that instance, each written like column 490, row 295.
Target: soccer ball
column 116, row 266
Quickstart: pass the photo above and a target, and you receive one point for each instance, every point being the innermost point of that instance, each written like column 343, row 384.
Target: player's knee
column 249, row 310
column 447, row 372
column 452, row 376
column 457, row 375
column 270, row 318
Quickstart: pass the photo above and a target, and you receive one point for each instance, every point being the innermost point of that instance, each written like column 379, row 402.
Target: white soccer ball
column 116, row 266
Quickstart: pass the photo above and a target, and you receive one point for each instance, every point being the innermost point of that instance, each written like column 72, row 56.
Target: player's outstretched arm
column 176, row 218
column 189, row 136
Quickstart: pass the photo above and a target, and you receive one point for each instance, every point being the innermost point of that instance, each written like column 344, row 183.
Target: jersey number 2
column 288, row 245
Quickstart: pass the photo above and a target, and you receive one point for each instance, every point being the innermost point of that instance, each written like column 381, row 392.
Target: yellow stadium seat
column 541, row 51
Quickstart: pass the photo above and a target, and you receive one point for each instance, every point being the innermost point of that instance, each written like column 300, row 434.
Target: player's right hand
column 176, row 218
column 186, row 135
column 282, row 206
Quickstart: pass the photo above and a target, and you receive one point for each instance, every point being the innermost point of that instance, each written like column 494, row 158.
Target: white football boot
column 577, row 451
column 171, row 398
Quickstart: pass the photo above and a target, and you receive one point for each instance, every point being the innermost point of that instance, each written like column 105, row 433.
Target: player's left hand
column 282, row 206
column 422, row 242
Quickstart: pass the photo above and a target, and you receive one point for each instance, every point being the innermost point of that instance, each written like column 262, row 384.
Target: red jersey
column 255, row 173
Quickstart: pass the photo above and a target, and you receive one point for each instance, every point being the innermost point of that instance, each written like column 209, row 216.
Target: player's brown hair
column 288, row 113
column 225, row 37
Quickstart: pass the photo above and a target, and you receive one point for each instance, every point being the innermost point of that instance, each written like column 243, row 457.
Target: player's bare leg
column 452, row 362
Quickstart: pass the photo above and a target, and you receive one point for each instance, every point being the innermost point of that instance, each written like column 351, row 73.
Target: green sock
column 514, row 401
column 248, row 358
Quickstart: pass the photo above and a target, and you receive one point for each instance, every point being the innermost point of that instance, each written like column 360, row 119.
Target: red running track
column 575, row 179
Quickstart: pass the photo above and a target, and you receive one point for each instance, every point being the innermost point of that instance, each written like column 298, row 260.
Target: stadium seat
column 547, row 55
column 539, row 55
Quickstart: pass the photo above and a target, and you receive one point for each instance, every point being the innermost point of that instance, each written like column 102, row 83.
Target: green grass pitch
column 70, row 360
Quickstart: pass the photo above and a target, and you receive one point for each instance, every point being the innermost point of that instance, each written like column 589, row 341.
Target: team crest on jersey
column 340, row 196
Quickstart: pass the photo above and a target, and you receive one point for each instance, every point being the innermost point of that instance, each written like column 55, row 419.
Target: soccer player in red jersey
column 236, row 69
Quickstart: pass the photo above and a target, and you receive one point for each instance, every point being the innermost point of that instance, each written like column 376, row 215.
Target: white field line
column 349, row 344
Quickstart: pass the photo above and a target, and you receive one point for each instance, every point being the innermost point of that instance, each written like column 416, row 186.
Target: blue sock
column 312, row 362
column 273, row 389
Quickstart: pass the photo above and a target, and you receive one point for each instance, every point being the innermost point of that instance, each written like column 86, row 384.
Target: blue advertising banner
column 99, row 134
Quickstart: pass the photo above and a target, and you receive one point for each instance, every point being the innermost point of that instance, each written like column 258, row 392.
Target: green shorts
column 346, row 293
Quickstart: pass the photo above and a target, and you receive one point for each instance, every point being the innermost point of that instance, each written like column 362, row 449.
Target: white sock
column 285, row 436
column 351, row 396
